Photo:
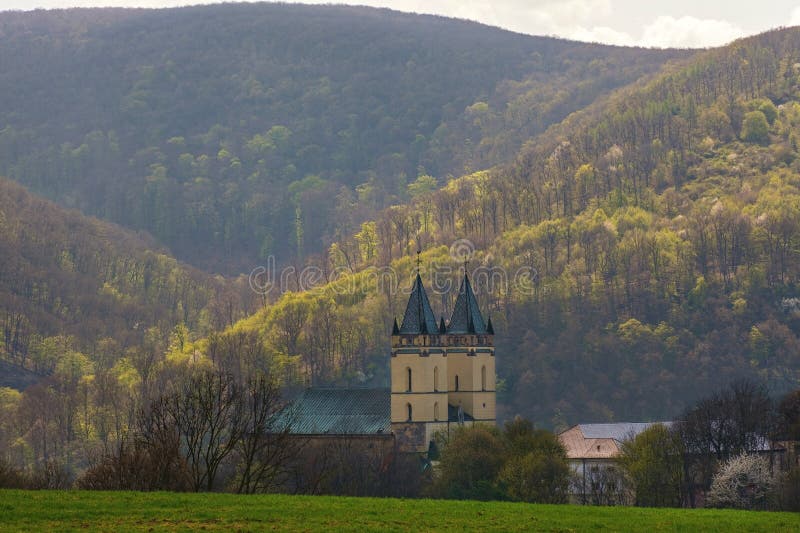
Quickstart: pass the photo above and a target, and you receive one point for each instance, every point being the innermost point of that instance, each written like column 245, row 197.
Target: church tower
column 419, row 373
column 470, row 354
column 442, row 375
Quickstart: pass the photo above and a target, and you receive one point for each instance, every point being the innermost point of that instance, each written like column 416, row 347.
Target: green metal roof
column 319, row 411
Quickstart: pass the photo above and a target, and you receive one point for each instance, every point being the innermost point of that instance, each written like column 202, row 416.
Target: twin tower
column 442, row 374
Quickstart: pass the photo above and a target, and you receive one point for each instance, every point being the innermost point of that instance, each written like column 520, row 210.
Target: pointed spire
column 442, row 327
column 418, row 317
column 490, row 327
column 467, row 316
column 395, row 327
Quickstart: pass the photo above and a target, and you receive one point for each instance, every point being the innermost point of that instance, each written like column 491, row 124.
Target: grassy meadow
column 131, row 511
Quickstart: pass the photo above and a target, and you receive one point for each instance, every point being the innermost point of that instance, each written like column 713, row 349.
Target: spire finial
column 419, row 252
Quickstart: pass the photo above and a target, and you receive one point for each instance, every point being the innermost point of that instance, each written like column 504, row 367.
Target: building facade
column 441, row 373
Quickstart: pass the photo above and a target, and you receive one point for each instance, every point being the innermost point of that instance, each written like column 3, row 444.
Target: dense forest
column 233, row 132
column 650, row 198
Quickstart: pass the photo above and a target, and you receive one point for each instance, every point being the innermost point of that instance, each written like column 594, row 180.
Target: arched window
column 436, row 411
column 456, row 382
column 483, row 378
column 408, row 406
column 435, row 378
column 408, row 372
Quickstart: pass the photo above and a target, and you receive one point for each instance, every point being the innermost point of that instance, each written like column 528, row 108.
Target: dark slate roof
column 467, row 316
column 619, row 431
column 319, row 411
column 418, row 317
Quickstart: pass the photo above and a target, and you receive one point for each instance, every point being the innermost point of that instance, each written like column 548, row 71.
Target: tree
column 424, row 184
column 266, row 446
column 537, row 468
column 206, row 414
column 788, row 417
column 653, row 461
column 755, row 128
column 729, row 422
column 743, row 482
column 469, row 464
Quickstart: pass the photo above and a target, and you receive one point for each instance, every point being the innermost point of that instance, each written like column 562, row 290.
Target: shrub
column 10, row 477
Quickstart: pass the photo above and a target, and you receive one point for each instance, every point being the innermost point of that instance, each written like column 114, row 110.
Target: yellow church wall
column 423, row 407
column 474, row 398
column 483, row 406
column 459, row 364
column 462, row 399
column 422, row 372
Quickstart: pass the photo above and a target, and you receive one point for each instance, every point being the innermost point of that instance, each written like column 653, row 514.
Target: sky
column 655, row 23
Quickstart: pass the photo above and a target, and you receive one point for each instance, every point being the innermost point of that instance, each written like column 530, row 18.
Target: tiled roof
column 418, row 317
column 466, row 314
column 320, row 411
column 600, row 441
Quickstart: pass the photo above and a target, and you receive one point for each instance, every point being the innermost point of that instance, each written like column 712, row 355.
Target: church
column 442, row 376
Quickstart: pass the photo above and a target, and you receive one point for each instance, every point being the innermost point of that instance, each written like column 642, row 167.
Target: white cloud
column 666, row 31
column 579, row 20
column 601, row 34
column 794, row 18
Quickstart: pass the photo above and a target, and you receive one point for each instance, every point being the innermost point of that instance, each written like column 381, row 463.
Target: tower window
column 435, row 378
column 483, row 378
column 436, row 411
column 408, row 371
column 456, row 382
column 408, row 406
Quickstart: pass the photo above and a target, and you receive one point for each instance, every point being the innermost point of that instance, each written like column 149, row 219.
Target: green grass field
column 54, row 511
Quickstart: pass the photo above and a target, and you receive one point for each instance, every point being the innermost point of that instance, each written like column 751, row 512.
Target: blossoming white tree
column 743, row 482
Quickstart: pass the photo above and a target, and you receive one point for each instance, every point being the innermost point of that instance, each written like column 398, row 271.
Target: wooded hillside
column 236, row 131
column 68, row 282
column 664, row 230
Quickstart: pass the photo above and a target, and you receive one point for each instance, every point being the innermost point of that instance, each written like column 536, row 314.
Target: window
column 456, row 382
column 408, row 372
column 483, row 378
column 436, row 411
column 435, row 378
column 408, row 406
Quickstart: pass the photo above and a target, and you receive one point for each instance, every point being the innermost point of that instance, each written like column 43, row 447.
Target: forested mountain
column 663, row 228
column 69, row 283
column 232, row 132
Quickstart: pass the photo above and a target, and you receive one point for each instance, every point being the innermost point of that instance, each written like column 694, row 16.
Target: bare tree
column 209, row 423
column 158, row 441
column 266, row 447
column 729, row 422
